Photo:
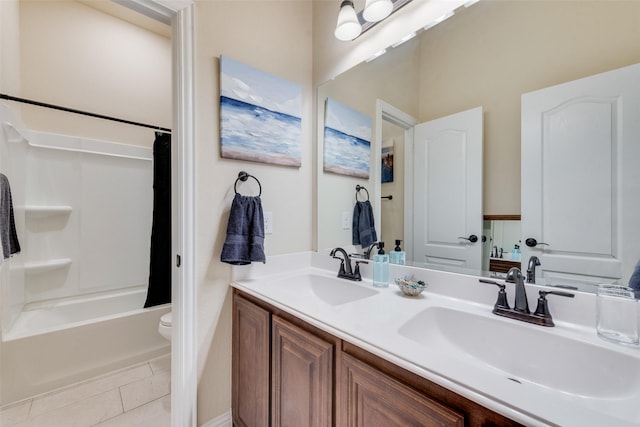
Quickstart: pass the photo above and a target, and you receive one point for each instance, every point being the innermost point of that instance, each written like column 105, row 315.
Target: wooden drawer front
column 501, row 266
column 369, row 398
column 302, row 377
column 250, row 359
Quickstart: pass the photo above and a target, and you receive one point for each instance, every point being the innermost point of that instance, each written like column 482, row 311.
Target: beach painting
column 387, row 164
column 347, row 140
column 260, row 115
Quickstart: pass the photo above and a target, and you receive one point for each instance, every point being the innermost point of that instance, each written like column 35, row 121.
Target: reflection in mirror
column 489, row 54
column 502, row 245
column 392, row 184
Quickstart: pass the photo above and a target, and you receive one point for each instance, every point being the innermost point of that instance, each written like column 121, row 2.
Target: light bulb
column 348, row 27
column 377, row 10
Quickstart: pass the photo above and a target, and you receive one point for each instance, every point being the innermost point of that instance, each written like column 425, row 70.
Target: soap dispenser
column 515, row 253
column 381, row 268
column 397, row 256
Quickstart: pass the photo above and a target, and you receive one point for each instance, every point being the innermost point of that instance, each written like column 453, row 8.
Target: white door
column 581, row 178
column 448, row 191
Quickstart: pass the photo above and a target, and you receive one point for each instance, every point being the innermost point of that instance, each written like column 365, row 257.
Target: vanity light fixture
column 377, row 10
column 348, row 26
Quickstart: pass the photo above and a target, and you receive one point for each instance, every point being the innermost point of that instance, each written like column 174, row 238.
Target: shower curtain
column 160, row 264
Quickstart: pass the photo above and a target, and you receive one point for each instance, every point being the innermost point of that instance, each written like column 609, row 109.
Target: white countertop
column 373, row 323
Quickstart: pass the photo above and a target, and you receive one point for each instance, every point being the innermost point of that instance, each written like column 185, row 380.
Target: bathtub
column 57, row 343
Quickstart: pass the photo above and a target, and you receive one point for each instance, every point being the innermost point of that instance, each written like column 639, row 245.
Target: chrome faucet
column 531, row 269
column 520, row 311
column 345, row 271
column 521, row 304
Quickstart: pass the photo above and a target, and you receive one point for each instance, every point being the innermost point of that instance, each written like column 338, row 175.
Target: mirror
column 485, row 55
column 501, row 250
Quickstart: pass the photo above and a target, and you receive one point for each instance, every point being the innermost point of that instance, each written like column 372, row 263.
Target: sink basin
column 526, row 353
column 330, row 290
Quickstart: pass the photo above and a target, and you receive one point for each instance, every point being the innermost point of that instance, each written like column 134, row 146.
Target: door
column 448, row 191
column 580, row 178
column 302, row 377
column 250, row 364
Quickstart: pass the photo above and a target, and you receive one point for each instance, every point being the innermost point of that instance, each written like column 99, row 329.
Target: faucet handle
column 543, row 308
column 501, row 302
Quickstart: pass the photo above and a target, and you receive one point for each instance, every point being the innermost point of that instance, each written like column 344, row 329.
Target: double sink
column 463, row 343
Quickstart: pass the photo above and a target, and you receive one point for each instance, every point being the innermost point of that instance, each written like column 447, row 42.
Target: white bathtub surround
column 136, row 396
column 78, row 347
column 382, row 324
column 83, row 210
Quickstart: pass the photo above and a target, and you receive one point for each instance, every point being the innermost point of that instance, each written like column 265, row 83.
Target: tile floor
column 138, row 396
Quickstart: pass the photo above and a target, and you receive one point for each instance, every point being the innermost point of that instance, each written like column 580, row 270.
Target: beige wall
column 493, row 52
column 275, row 37
column 78, row 57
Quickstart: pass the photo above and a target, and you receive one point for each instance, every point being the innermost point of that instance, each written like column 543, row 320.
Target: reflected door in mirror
column 448, row 191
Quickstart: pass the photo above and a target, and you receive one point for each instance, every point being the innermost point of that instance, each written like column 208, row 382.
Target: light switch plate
column 268, row 223
column 346, row 220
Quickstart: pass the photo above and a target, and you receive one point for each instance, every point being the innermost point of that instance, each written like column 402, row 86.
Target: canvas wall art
column 347, row 140
column 260, row 115
column 387, row 164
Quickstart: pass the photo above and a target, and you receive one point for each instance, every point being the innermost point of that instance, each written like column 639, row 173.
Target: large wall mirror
column 487, row 55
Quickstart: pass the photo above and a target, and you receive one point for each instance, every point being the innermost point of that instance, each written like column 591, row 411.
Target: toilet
column 164, row 327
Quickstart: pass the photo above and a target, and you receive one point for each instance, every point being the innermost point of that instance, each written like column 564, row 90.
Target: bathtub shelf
column 37, row 211
column 46, row 266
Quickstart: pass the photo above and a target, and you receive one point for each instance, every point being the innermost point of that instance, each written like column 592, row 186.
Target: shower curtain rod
column 84, row 113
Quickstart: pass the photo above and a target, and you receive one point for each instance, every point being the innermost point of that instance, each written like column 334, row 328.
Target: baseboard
column 223, row 420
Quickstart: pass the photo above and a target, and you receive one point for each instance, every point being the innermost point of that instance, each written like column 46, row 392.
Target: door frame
column 389, row 113
column 180, row 15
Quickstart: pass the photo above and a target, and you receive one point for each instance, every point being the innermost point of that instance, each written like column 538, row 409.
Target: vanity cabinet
column 371, row 398
column 250, row 364
column 287, row 372
column 302, row 377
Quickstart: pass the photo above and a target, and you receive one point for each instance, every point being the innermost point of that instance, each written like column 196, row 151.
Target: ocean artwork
column 387, row 165
column 347, row 140
column 260, row 115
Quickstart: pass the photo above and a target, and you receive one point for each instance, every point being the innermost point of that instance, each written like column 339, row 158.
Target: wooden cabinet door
column 302, row 377
column 250, row 364
column 370, row 398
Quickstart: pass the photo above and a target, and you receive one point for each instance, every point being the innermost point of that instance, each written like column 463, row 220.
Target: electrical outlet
column 268, row 223
column 346, row 220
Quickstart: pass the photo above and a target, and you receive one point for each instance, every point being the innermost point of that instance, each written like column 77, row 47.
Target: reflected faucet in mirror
column 531, row 269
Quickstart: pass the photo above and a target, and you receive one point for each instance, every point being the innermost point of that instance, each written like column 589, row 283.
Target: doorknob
column 532, row 243
column 473, row 238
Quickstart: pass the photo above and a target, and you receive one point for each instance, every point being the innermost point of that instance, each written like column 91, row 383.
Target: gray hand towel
column 634, row 281
column 245, row 232
column 363, row 230
column 8, row 235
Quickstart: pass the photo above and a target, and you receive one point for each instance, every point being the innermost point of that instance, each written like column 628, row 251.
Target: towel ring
column 360, row 187
column 243, row 176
